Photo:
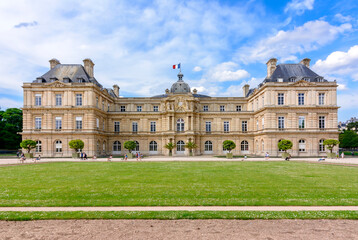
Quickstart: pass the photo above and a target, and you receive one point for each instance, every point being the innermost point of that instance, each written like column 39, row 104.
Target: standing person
column 85, row 156
column 137, row 156
column 125, row 157
column 337, row 155
column 17, row 154
column 267, row 156
column 342, row 155
column 81, row 155
column 109, row 158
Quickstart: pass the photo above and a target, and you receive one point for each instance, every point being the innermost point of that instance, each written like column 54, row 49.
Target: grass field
column 178, row 184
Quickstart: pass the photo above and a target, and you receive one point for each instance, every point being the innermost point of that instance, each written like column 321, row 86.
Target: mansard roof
column 294, row 72
column 166, row 95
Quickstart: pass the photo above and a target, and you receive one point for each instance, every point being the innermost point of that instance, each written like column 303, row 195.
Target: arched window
column 104, row 146
column 136, row 146
column 180, row 125
column 117, row 147
column 301, row 145
column 208, row 146
column 98, row 148
column 244, row 146
column 262, row 145
column 58, row 146
column 257, row 146
column 38, row 148
column 153, row 146
column 180, row 146
column 321, row 146
column 280, row 150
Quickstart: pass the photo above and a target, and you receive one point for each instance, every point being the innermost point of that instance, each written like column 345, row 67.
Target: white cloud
column 299, row 6
column 285, row 44
column 339, row 17
column 341, row 87
column 339, row 64
column 9, row 103
column 226, row 71
column 197, row 69
column 345, row 101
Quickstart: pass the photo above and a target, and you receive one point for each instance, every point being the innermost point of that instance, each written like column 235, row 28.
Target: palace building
column 292, row 102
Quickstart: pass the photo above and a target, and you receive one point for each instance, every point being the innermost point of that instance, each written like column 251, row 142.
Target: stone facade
column 68, row 103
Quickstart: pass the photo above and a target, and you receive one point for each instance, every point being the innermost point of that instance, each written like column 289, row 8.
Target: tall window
column 208, row 126
column 321, row 99
column 205, row 108
column 301, row 99
column 58, row 146
column 180, row 146
column 137, row 146
column 103, row 105
column 134, row 127
column 58, row 123
column 117, row 146
column 222, row 108
column 262, row 146
column 97, row 123
column 153, row 126
column 97, row 102
column 263, row 123
column 38, row 100
column 257, row 124
column 244, row 146
column 58, row 98
column 37, row 123
column 139, row 108
column 180, row 125
column 321, row 122
column 226, row 126
column 155, row 108
column 208, row 146
column 38, row 148
column 79, row 99
column 280, row 99
column 78, row 122
column 301, row 122
column 281, row 122
column 244, row 126
column 153, row 146
column 238, row 108
column 123, row 108
column 301, row 145
column 117, row 127
column 321, row 146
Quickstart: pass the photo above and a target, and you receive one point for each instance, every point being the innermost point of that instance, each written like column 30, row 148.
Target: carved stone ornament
column 302, row 83
column 180, row 104
column 57, row 84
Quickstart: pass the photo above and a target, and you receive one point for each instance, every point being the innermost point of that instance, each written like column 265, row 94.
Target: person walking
column 137, row 156
column 267, row 156
column 342, row 155
column 109, row 158
column 125, row 157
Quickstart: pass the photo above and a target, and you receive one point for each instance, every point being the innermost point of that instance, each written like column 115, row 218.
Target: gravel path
column 180, row 229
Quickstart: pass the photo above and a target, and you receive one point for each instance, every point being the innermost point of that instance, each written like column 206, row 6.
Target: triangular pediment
column 302, row 83
column 57, row 84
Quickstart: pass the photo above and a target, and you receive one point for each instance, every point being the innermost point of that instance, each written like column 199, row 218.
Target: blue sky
column 221, row 45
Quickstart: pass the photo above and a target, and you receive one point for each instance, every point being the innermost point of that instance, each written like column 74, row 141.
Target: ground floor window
column 244, row 146
column 263, row 145
column 321, row 146
column 301, row 145
column 153, row 146
column 117, row 147
column 208, row 146
column 58, row 146
column 98, row 149
column 180, row 146
column 136, row 146
column 38, row 146
column 104, row 146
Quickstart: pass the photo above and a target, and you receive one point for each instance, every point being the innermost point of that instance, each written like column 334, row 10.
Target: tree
column 170, row 146
column 190, row 145
column 229, row 145
column 130, row 145
column 330, row 144
column 348, row 139
column 10, row 126
column 28, row 144
column 352, row 126
column 76, row 144
column 285, row 145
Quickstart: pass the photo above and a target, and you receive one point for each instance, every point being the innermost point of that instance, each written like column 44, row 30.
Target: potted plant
column 76, row 144
column 28, row 144
column 130, row 146
column 191, row 145
column 170, row 146
column 285, row 145
column 330, row 144
column 229, row 145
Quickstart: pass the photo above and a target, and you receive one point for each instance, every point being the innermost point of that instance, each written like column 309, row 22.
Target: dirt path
column 180, row 229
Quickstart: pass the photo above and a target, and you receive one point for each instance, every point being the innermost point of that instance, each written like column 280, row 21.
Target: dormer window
column 292, row 79
column 306, row 79
column 279, row 79
column 319, row 79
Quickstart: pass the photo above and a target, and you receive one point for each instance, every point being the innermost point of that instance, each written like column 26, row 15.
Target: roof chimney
column 306, row 62
column 195, row 91
column 116, row 89
column 245, row 89
column 88, row 64
column 271, row 66
column 54, row 62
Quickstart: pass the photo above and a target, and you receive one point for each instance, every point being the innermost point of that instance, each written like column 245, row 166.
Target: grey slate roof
column 166, row 95
column 293, row 73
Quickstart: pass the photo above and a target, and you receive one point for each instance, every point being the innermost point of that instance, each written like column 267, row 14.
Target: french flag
column 176, row 66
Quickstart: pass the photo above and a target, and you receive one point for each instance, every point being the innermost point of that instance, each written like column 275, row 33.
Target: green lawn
column 177, row 183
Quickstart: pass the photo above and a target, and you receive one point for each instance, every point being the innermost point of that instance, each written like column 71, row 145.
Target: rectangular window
column 37, row 99
column 238, row 108
column 226, row 126
column 263, row 123
column 123, row 108
column 103, row 105
column 153, row 127
column 97, row 123
column 263, row 101
column 281, row 122
column 78, row 122
column 222, row 108
column 103, row 125
column 37, row 123
column 301, row 99
column 139, row 108
column 79, row 99
column 58, row 123
column 134, row 127
column 244, row 126
column 257, row 124
column 321, row 99
column 58, row 100
column 301, row 122
column 321, row 122
column 208, row 126
column 117, row 127
column 280, row 99
column 96, row 101
column 206, row 108
column 155, row 108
